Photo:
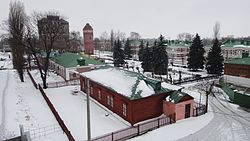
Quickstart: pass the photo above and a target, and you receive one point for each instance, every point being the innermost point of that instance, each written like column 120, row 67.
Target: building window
column 124, row 109
column 91, row 90
column 74, row 74
column 110, row 101
column 99, row 95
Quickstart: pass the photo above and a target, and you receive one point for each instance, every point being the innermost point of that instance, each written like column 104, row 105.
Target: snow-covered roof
column 130, row 84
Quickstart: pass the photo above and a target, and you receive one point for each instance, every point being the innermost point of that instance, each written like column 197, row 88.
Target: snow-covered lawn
column 177, row 130
column 72, row 109
column 52, row 77
column 25, row 106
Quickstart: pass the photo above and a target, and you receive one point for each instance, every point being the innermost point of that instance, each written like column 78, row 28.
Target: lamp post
column 88, row 113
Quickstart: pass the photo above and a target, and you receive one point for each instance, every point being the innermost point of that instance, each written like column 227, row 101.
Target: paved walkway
column 228, row 124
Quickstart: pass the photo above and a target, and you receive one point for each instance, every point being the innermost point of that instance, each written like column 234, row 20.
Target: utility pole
column 88, row 112
column 207, row 93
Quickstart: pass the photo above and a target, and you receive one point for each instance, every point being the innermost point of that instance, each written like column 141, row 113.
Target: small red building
column 180, row 104
column 130, row 95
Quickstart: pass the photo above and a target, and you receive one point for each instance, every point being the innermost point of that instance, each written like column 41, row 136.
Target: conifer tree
column 196, row 57
column 147, row 59
column 160, row 57
column 127, row 50
column 118, row 54
column 215, row 59
column 141, row 50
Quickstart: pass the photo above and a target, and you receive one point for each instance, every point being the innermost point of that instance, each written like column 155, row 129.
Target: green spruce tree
column 118, row 54
column 160, row 57
column 196, row 59
column 127, row 50
column 215, row 59
column 147, row 59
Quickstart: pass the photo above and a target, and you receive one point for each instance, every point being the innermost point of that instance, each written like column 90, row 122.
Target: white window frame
column 99, row 95
column 124, row 109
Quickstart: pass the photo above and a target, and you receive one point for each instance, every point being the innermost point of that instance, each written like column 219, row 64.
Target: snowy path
column 2, row 125
column 229, row 124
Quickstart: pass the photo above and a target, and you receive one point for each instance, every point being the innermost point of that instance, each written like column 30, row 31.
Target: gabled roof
column 241, row 61
column 69, row 60
column 132, row 85
column 177, row 96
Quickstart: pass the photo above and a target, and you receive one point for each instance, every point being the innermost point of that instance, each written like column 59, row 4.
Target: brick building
column 130, row 95
column 179, row 103
column 237, row 71
column 51, row 25
column 88, row 39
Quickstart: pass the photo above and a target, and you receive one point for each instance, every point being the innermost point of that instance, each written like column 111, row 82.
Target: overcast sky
column 149, row 18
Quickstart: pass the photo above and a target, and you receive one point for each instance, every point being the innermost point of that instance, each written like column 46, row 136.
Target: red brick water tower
column 88, row 39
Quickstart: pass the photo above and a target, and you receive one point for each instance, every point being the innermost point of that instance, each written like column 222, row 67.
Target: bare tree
column 134, row 36
column 216, row 30
column 50, row 31
column 16, row 29
column 185, row 36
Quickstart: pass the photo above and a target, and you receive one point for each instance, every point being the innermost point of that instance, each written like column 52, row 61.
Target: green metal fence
column 237, row 98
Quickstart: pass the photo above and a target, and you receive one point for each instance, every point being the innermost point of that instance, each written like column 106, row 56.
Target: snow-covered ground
column 52, row 77
column 178, row 130
column 22, row 104
column 72, row 108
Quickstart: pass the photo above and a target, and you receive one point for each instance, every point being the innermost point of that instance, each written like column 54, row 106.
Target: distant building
column 237, row 71
column 69, row 65
column 177, row 52
column 130, row 95
column 88, row 39
column 44, row 23
column 4, row 45
column 234, row 49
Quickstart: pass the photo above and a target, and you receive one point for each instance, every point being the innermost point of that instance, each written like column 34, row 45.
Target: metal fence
column 138, row 130
column 43, row 131
column 63, row 83
column 199, row 109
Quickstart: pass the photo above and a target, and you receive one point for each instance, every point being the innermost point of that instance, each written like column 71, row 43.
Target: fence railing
column 43, row 131
column 195, row 79
column 199, row 109
column 63, row 83
column 58, row 118
column 137, row 130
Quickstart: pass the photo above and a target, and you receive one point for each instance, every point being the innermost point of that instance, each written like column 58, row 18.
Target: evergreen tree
column 127, row 50
column 118, row 54
column 141, row 50
column 147, row 59
column 160, row 57
column 196, row 57
column 215, row 59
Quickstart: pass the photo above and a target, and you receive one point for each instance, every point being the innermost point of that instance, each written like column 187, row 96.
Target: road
column 230, row 123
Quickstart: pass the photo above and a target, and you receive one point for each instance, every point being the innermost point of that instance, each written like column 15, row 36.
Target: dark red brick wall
column 237, row 70
column 147, row 108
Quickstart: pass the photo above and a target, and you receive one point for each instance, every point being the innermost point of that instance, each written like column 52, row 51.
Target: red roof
column 87, row 27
